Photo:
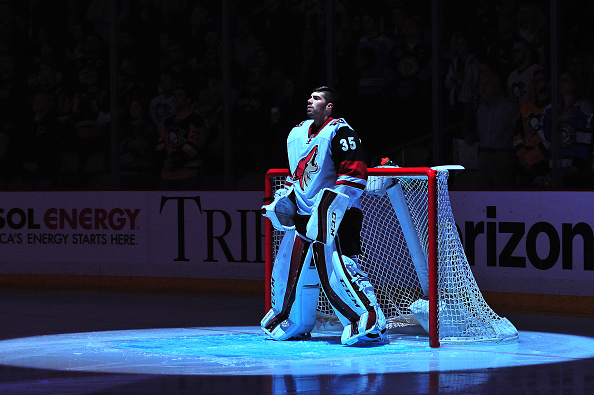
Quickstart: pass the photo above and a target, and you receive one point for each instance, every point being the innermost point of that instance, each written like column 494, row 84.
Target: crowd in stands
column 56, row 93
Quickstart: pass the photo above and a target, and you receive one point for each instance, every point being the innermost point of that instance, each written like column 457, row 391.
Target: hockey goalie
column 318, row 211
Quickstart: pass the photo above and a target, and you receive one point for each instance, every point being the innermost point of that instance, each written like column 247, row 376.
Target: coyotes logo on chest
column 305, row 168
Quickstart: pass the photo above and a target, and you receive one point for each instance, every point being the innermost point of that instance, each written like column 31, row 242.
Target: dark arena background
column 125, row 273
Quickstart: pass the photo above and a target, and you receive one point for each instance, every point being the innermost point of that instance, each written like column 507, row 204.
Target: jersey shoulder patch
column 337, row 121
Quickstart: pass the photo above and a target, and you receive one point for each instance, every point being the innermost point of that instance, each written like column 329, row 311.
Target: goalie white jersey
column 330, row 157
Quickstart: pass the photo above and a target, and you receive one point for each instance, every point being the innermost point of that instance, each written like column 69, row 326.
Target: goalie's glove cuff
column 281, row 212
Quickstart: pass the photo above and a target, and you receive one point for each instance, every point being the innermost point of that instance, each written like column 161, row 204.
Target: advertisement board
column 517, row 241
column 528, row 241
column 136, row 233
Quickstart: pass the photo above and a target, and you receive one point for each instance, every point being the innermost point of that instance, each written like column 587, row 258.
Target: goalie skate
column 279, row 329
column 371, row 328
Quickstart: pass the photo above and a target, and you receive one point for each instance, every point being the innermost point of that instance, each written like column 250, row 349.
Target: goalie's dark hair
column 329, row 94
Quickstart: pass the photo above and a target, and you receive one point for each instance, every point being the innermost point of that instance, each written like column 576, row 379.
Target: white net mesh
column 463, row 313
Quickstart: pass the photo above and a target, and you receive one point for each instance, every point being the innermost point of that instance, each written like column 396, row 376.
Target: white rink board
column 194, row 234
column 525, row 237
column 136, row 233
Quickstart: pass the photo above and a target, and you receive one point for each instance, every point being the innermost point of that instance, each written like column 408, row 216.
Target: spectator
column 209, row 104
column 13, row 94
column 136, row 148
column 309, row 59
column 277, row 29
column 171, row 11
column 531, row 152
column 345, row 61
column 4, row 171
column 499, row 51
column 575, row 139
column 127, row 46
column 98, row 15
column 461, row 78
column 245, row 45
column 582, row 65
column 180, row 66
column 491, row 123
column 145, row 24
column 283, row 117
column 209, row 101
column 201, row 24
column 163, row 105
column 130, row 85
column 49, row 80
column 95, row 55
column 90, row 113
column 409, row 89
column 372, row 51
column 540, row 33
column 519, row 80
column 75, row 47
column 40, row 145
column 45, row 50
column 274, row 75
column 208, row 63
column 527, row 22
column 315, row 15
column 165, row 39
column 181, row 145
column 398, row 19
column 289, row 106
column 253, row 107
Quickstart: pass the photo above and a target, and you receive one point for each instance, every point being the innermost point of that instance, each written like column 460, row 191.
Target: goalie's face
column 317, row 107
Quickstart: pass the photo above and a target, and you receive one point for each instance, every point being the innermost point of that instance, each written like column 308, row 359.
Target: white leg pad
column 299, row 318
column 354, row 288
column 348, row 285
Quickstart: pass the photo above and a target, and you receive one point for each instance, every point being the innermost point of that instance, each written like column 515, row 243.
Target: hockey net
column 414, row 258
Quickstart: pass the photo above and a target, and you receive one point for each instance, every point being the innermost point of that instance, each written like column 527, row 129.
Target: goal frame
column 432, row 248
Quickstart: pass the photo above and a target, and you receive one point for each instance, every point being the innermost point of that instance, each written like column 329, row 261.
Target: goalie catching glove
column 281, row 212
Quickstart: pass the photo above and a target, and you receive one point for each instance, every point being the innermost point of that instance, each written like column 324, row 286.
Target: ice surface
column 247, row 351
